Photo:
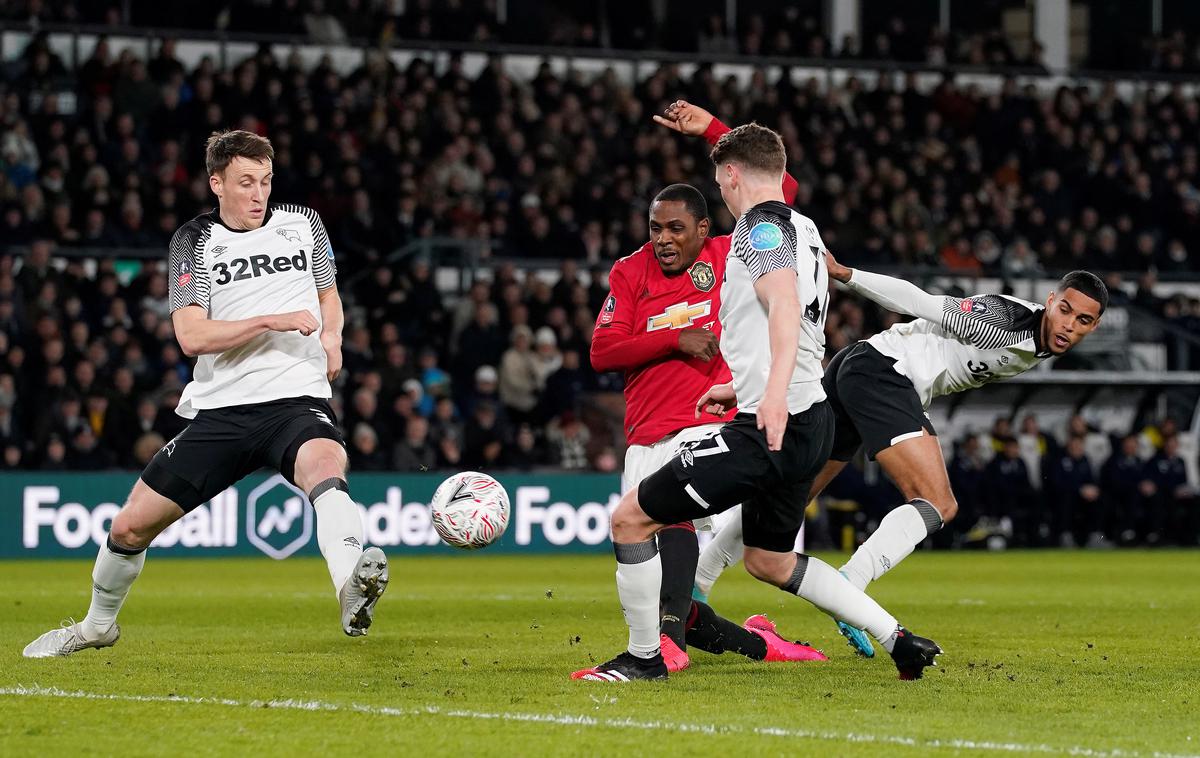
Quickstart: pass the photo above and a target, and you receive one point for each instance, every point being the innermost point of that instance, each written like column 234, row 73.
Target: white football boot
column 68, row 639
column 362, row 591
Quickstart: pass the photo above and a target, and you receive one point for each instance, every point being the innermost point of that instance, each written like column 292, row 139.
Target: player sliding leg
column 359, row 576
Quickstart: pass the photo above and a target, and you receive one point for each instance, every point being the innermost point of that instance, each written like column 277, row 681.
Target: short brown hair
column 223, row 147
column 755, row 147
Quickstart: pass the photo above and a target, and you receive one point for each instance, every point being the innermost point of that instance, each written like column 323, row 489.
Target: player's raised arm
column 616, row 346
column 694, row 121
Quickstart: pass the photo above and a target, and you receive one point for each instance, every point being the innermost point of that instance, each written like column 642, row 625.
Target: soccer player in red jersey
column 659, row 326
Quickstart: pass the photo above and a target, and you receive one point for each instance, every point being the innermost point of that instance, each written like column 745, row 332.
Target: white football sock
column 339, row 534
column 821, row 584
column 898, row 535
column 111, row 579
column 639, row 583
column 724, row 550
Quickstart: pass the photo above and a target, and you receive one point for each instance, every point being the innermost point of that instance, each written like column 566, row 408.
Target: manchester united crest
column 702, row 275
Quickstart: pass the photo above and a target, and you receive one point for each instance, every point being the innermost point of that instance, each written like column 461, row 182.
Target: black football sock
column 679, row 551
column 713, row 634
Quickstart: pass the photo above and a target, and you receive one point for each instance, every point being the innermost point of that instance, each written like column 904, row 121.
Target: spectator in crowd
column 519, row 376
column 1165, row 491
column 1120, row 481
column 365, row 453
column 967, row 480
column 415, row 452
column 1072, row 491
column 569, row 439
column 1009, row 497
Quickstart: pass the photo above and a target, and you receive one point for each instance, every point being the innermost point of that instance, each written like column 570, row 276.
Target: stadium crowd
column 557, row 169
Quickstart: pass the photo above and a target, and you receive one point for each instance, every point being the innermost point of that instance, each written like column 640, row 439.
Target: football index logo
column 766, row 236
column 278, row 521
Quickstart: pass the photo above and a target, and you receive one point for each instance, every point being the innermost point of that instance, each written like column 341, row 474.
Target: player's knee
column 629, row 522
column 126, row 533
column 766, row 567
column 947, row 507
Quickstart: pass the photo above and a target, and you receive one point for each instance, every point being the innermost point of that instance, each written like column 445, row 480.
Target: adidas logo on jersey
column 240, row 269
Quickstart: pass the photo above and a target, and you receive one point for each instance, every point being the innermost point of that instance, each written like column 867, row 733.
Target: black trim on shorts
column 872, row 403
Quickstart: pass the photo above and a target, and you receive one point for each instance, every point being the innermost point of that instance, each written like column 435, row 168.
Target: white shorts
column 643, row 460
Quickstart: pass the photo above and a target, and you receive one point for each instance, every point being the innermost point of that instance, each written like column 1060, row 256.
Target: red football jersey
column 638, row 332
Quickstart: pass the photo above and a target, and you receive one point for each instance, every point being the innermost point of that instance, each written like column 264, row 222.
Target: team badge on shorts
column 702, row 275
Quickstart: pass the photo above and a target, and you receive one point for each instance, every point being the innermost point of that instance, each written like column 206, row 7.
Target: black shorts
column 872, row 404
column 734, row 466
column 222, row 445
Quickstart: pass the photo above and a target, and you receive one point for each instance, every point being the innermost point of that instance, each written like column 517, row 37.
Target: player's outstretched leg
column 359, row 576
column 724, row 550
column 118, row 563
column 758, row 639
column 820, row 584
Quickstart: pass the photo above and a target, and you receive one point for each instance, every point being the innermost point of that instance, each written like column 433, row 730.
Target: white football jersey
column 767, row 237
column 956, row 343
column 239, row 274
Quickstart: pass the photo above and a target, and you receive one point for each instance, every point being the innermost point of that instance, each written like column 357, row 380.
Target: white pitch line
column 592, row 721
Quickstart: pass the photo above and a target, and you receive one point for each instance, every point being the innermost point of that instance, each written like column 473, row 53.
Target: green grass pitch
column 1071, row 653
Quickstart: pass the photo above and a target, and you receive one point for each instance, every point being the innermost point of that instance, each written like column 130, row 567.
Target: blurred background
column 480, row 165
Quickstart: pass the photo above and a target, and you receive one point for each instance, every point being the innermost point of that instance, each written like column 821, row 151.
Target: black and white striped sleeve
column 187, row 277
column 765, row 243
column 324, row 268
column 989, row 321
column 985, row 321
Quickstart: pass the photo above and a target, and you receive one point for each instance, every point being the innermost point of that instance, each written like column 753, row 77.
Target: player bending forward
column 772, row 319
column 881, row 388
column 253, row 296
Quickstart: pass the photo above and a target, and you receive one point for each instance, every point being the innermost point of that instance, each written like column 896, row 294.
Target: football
column 470, row 510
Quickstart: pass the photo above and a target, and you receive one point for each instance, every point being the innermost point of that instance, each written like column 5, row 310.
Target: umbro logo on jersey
column 321, row 415
column 219, row 250
column 291, row 235
column 679, row 316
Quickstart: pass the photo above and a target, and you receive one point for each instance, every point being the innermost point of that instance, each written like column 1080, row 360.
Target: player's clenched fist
column 699, row 343
column 294, row 321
